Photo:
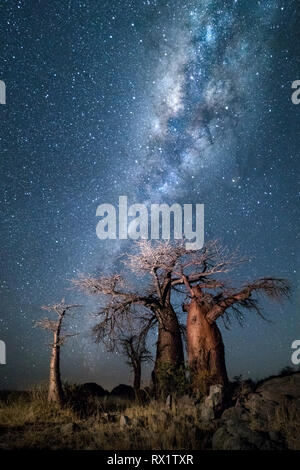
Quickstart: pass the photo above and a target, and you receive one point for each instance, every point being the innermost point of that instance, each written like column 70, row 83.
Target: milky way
column 181, row 101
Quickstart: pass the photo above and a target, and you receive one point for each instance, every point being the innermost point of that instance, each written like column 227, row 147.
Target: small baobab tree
column 55, row 390
column 135, row 349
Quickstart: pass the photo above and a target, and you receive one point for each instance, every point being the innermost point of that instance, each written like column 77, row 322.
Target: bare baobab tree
column 211, row 298
column 55, row 391
column 134, row 348
column 165, row 267
column 124, row 306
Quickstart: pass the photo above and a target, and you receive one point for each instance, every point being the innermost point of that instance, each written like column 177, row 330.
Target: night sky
column 162, row 101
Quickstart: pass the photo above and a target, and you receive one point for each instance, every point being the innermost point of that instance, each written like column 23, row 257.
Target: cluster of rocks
column 265, row 418
column 122, row 390
column 249, row 417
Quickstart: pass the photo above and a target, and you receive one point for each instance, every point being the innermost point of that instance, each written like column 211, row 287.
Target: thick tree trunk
column 55, row 393
column 169, row 350
column 206, row 353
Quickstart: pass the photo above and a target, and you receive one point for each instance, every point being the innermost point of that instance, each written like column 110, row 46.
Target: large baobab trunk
column 55, row 392
column 169, row 349
column 206, row 355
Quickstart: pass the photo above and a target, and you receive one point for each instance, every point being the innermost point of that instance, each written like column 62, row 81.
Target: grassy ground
column 28, row 421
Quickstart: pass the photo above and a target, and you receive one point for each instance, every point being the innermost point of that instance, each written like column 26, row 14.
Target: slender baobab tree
column 55, row 391
column 135, row 349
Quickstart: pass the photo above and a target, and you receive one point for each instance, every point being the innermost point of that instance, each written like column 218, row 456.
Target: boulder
column 235, row 414
column 270, row 395
column 94, row 389
column 278, row 387
column 266, row 419
column 169, row 401
column 239, row 436
column 125, row 421
column 123, row 391
column 212, row 406
column 185, row 401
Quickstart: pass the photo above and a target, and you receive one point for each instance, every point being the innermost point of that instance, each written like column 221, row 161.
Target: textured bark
column 55, row 392
column 169, row 343
column 206, row 355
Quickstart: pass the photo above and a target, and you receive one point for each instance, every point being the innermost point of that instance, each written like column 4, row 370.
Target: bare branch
column 157, row 256
column 275, row 288
column 47, row 324
column 60, row 308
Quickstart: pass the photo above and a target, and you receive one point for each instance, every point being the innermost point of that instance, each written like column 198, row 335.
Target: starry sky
column 162, row 101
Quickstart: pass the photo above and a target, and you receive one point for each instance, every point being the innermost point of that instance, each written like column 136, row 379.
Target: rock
column 206, row 413
column 265, row 419
column 70, row 428
column 278, row 387
column 169, row 401
column 213, row 404
column 94, row 390
column 223, row 440
column 272, row 395
column 215, row 397
column 123, row 391
column 235, row 414
column 125, row 421
column 185, row 401
column 240, row 437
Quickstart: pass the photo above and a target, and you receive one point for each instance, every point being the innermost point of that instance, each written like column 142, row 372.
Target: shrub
column 172, row 379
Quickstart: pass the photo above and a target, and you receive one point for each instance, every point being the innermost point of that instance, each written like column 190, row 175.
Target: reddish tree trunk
column 206, row 353
column 169, row 350
column 55, row 392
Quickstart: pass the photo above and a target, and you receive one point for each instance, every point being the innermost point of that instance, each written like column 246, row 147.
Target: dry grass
column 28, row 421
column 287, row 422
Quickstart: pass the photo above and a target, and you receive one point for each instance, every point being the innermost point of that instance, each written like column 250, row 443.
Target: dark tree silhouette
column 55, row 391
column 135, row 349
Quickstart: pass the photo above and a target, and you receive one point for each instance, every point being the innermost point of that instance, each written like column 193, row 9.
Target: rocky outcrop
column 266, row 419
column 265, row 402
column 235, row 433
